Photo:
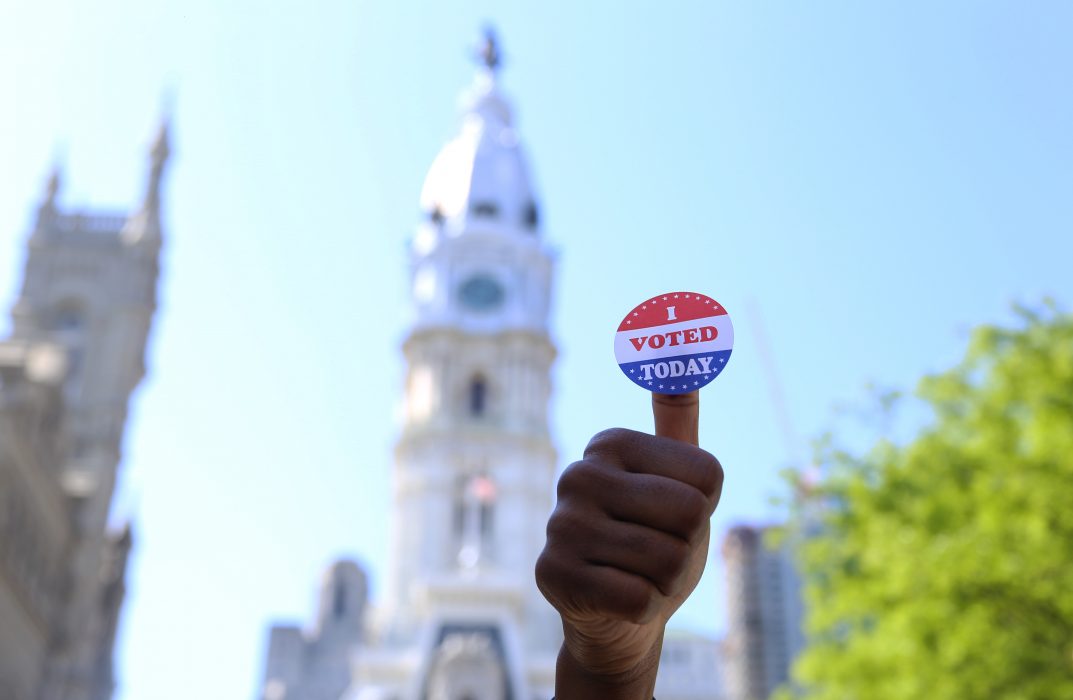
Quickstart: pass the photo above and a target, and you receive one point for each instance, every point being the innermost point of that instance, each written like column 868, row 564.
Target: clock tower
column 475, row 467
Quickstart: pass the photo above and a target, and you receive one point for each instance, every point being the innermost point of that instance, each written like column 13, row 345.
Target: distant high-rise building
column 764, row 614
column 75, row 355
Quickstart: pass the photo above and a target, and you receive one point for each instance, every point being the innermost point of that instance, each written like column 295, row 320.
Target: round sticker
column 674, row 343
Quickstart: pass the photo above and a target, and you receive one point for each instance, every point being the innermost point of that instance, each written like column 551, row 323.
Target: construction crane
column 806, row 471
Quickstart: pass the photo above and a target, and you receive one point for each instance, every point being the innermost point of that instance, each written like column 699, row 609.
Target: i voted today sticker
column 674, row 343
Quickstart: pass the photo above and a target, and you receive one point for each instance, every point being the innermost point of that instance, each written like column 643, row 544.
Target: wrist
column 574, row 680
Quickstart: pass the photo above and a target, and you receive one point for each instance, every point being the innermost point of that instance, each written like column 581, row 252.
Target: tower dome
column 480, row 177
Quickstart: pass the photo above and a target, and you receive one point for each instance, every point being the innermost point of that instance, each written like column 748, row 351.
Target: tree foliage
column 943, row 568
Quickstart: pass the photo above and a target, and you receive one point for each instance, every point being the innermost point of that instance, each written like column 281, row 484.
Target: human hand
column 627, row 544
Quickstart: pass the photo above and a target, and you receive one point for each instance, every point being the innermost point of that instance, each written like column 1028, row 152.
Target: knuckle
column 575, row 479
column 709, row 471
column 667, row 562
column 633, row 602
column 675, row 555
column 609, row 442
column 570, row 529
column 692, row 512
column 564, row 525
column 568, row 480
column 587, row 480
column 552, row 576
column 546, row 569
column 540, row 571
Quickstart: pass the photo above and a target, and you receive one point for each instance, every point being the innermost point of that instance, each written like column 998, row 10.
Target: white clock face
column 481, row 292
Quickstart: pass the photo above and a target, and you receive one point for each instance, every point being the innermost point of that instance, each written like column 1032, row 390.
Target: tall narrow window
column 68, row 323
column 478, row 396
column 458, row 514
column 531, row 216
column 487, row 512
column 339, row 600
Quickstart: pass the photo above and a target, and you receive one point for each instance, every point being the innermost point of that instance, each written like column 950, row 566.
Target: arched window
column 68, row 317
column 531, row 216
column 478, row 396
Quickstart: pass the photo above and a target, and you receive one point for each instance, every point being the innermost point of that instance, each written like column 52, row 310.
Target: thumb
column 677, row 416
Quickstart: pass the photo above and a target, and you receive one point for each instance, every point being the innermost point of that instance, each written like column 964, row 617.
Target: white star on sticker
column 634, row 313
column 706, row 376
column 722, row 359
column 675, row 296
column 709, row 301
column 664, row 298
column 696, row 383
column 628, row 322
column 650, row 384
column 643, row 308
column 631, row 371
column 660, row 386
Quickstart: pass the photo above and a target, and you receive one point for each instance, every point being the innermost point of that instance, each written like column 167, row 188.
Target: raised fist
column 626, row 545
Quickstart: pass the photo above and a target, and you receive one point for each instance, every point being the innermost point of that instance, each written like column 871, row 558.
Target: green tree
column 944, row 565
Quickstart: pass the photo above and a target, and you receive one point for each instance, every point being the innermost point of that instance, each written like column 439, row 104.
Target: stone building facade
column 75, row 354
column 314, row 664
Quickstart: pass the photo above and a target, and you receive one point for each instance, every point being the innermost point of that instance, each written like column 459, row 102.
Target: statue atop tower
column 489, row 51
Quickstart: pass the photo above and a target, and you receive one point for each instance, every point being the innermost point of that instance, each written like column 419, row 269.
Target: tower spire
column 144, row 225
column 158, row 158
column 52, row 185
column 46, row 211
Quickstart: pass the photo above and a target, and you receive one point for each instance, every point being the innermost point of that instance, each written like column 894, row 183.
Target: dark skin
column 627, row 544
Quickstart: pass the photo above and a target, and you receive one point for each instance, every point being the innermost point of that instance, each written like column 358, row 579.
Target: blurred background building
column 75, row 355
column 475, row 465
column 764, row 613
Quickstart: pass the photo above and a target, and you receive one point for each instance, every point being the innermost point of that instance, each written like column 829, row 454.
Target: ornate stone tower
column 461, row 617
column 475, row 464
column 90, row 288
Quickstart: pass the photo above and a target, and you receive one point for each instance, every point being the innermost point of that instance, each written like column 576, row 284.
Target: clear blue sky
column 875, row 178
